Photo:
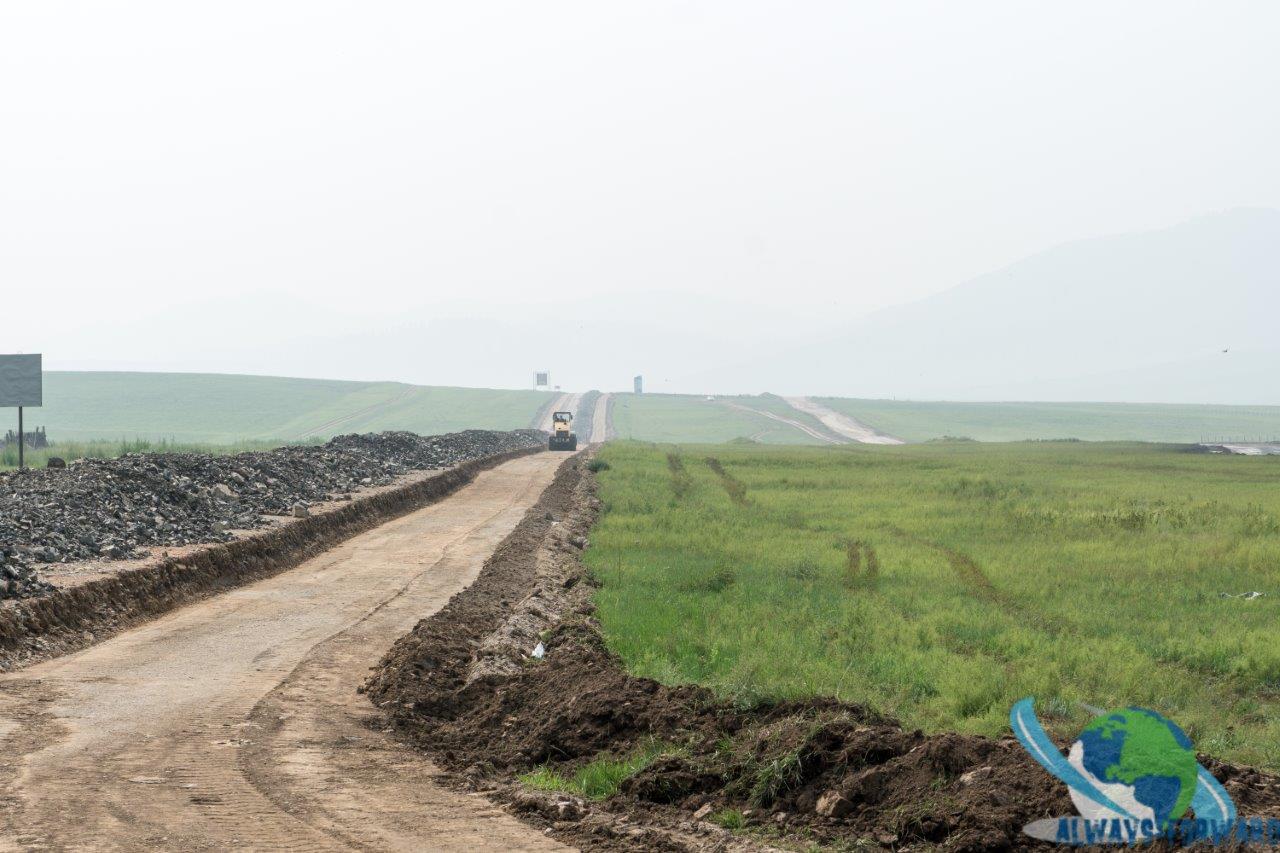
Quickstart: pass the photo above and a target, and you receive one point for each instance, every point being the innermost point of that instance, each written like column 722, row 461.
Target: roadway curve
column 839, row 423
column 233, row 723
column 791, row 422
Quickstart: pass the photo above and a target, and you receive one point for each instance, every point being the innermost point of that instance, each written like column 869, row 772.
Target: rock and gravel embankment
column 111, row 509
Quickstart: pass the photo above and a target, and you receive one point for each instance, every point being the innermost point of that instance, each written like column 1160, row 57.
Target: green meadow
column 1172, row 422
column 942, row 582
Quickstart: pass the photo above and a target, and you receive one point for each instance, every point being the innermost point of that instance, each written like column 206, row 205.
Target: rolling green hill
column 223, row 409
column 203, row 408
column 914, row 421
column 684, row 417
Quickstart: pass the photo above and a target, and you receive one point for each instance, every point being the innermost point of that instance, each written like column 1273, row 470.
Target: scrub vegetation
column 942, row 582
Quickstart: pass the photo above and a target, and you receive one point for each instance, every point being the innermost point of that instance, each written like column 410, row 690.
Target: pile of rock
column 112, row 508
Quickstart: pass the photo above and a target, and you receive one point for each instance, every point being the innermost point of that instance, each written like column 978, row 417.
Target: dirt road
column 791, row 422
column 564, row 403
column 600, row 420
column 233, row 723
column 839, row 423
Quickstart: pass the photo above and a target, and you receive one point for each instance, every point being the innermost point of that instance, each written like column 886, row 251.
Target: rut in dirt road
column 233, row 723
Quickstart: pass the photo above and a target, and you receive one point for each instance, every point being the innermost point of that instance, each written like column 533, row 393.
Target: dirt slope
column 233, row 723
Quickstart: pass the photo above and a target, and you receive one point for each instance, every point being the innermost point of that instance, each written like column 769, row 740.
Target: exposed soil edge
column 70, row 619
column 463, row 686
column 447, row 686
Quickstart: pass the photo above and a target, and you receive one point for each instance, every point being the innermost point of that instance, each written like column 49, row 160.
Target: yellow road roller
column 562, row 437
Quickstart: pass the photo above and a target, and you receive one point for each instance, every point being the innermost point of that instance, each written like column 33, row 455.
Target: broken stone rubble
column 114, row 508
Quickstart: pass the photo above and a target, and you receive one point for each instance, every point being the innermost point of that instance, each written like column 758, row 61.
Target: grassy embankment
column 943, row 582
column 224, row 409
column 1086, row 421
column 107, row 414
column 681, row 417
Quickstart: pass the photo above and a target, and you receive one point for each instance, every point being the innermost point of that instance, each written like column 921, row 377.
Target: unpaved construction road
column 233, row 723
column 600, row 420
column 563, row 403
column 839, row 423
column 791, row 422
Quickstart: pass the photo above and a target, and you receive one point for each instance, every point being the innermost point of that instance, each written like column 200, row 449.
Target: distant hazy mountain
column 1139, row 317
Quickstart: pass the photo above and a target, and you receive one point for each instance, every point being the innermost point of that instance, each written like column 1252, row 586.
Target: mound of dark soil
column 111, row 508
column 798, row 772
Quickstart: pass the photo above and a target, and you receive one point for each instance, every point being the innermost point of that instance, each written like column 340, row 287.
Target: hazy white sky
column 430, row 191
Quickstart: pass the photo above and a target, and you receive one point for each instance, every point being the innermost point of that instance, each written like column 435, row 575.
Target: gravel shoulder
column 232, row 723
column 72, row 574
column 118, row 509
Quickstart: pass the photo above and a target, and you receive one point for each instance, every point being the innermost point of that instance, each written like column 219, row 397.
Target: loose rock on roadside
column 113, row 508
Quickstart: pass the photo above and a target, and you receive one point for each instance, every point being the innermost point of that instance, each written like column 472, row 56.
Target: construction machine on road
column 562, row 438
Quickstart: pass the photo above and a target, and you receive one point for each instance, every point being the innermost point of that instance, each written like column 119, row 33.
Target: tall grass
column 941, row 583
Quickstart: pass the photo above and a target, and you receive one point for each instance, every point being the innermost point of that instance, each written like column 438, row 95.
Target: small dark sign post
column 21, row 385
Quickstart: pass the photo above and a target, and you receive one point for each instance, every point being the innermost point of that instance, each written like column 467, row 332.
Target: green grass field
column 197, row 408
column 223, row 409
column 942, row 582
column 1086, row 421
column 683, row 417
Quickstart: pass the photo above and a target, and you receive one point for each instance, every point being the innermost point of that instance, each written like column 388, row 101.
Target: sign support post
column 21, row 385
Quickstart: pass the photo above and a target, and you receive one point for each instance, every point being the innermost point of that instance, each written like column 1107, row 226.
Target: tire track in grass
column 976, row 580
column 732, row 485
column 969, row 573
column 680, row 479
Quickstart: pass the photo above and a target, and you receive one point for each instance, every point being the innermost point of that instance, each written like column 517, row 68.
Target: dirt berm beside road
column 465, row 686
